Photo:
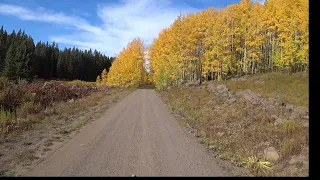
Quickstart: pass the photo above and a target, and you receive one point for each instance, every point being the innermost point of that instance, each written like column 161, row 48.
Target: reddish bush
column 44, row 94
column 10, row 98
column 54, row 91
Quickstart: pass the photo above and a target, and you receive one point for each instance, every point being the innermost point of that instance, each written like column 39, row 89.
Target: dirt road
column 137, row 136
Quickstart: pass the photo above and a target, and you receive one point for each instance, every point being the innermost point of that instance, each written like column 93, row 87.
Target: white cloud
column 121, row 23
column 260, row 1
column 40, row 15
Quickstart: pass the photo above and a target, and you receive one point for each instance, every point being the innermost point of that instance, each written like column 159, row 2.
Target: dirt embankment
column 266, row 135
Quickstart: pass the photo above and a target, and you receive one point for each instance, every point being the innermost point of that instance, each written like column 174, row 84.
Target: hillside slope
column 250, row 120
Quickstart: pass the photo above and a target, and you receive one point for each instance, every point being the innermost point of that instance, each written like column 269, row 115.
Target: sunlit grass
column 81, row 83
column 289, row 88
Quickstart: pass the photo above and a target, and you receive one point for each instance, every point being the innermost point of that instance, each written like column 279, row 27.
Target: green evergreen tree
column 2, row 48
column 44, row 60
column 23, row 64
column 10, row 67
column 60, row 65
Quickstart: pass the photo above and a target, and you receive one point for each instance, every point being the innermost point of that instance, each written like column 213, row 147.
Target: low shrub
column 29, row 108
column 6, row 117
column 290, row 147
column 3, row 83
column 10, row 98
column 290, row 128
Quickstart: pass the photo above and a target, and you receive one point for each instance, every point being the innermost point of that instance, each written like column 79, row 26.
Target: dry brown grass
column 291, row 128
column 239, row 130
column 27, row 157
column 290, row 147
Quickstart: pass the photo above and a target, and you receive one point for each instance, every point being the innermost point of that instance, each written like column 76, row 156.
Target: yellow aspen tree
column 239, row 39
column 255, row 37
column 104, row 76
column 98, row 81
column 245, row 7
column 304, row 32
column 271, row 26
column 165, row 56
column 128, row 69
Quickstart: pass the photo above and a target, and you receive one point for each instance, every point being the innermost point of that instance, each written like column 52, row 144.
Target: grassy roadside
column 81, row 83
column 287, row 88
column 240, row 131
column 55, row 125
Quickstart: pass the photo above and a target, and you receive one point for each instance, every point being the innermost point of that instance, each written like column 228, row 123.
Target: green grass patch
column 81, row 83
column 288, row 88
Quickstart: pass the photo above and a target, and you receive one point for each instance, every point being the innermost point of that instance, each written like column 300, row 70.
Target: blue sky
column 105, row 25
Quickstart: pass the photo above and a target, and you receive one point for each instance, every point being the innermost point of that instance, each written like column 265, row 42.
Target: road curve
column 137, row 136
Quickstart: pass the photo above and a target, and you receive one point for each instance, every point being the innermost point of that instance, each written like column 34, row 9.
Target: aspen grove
column 243, row 38
column 128, row 69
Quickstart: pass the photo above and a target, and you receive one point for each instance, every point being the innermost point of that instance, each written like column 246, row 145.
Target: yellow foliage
column 241, row 38
column 98, row 81
column 128, row 69
column 256, row 165
column 104, row 76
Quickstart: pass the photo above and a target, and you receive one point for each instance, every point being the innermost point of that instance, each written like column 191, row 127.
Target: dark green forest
column 21, row 58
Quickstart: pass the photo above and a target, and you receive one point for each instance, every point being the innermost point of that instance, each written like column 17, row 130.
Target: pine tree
column 10, row 67
column 55, row 59
column 60, row 65
column 23, row 64
column 3, row 37
column 43, row 62
column 36, row 61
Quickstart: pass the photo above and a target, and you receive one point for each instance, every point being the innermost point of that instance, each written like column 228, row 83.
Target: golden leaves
column 128, row 69
column 232, row 40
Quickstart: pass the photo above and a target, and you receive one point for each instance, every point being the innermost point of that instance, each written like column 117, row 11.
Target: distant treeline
column 21, row 58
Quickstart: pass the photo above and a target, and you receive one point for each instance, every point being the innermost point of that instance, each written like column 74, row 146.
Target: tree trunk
column 212, row 78
column 190, row 74
column 252, row 69
column 200, row 71
column 245, row 59
column 281, row 55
